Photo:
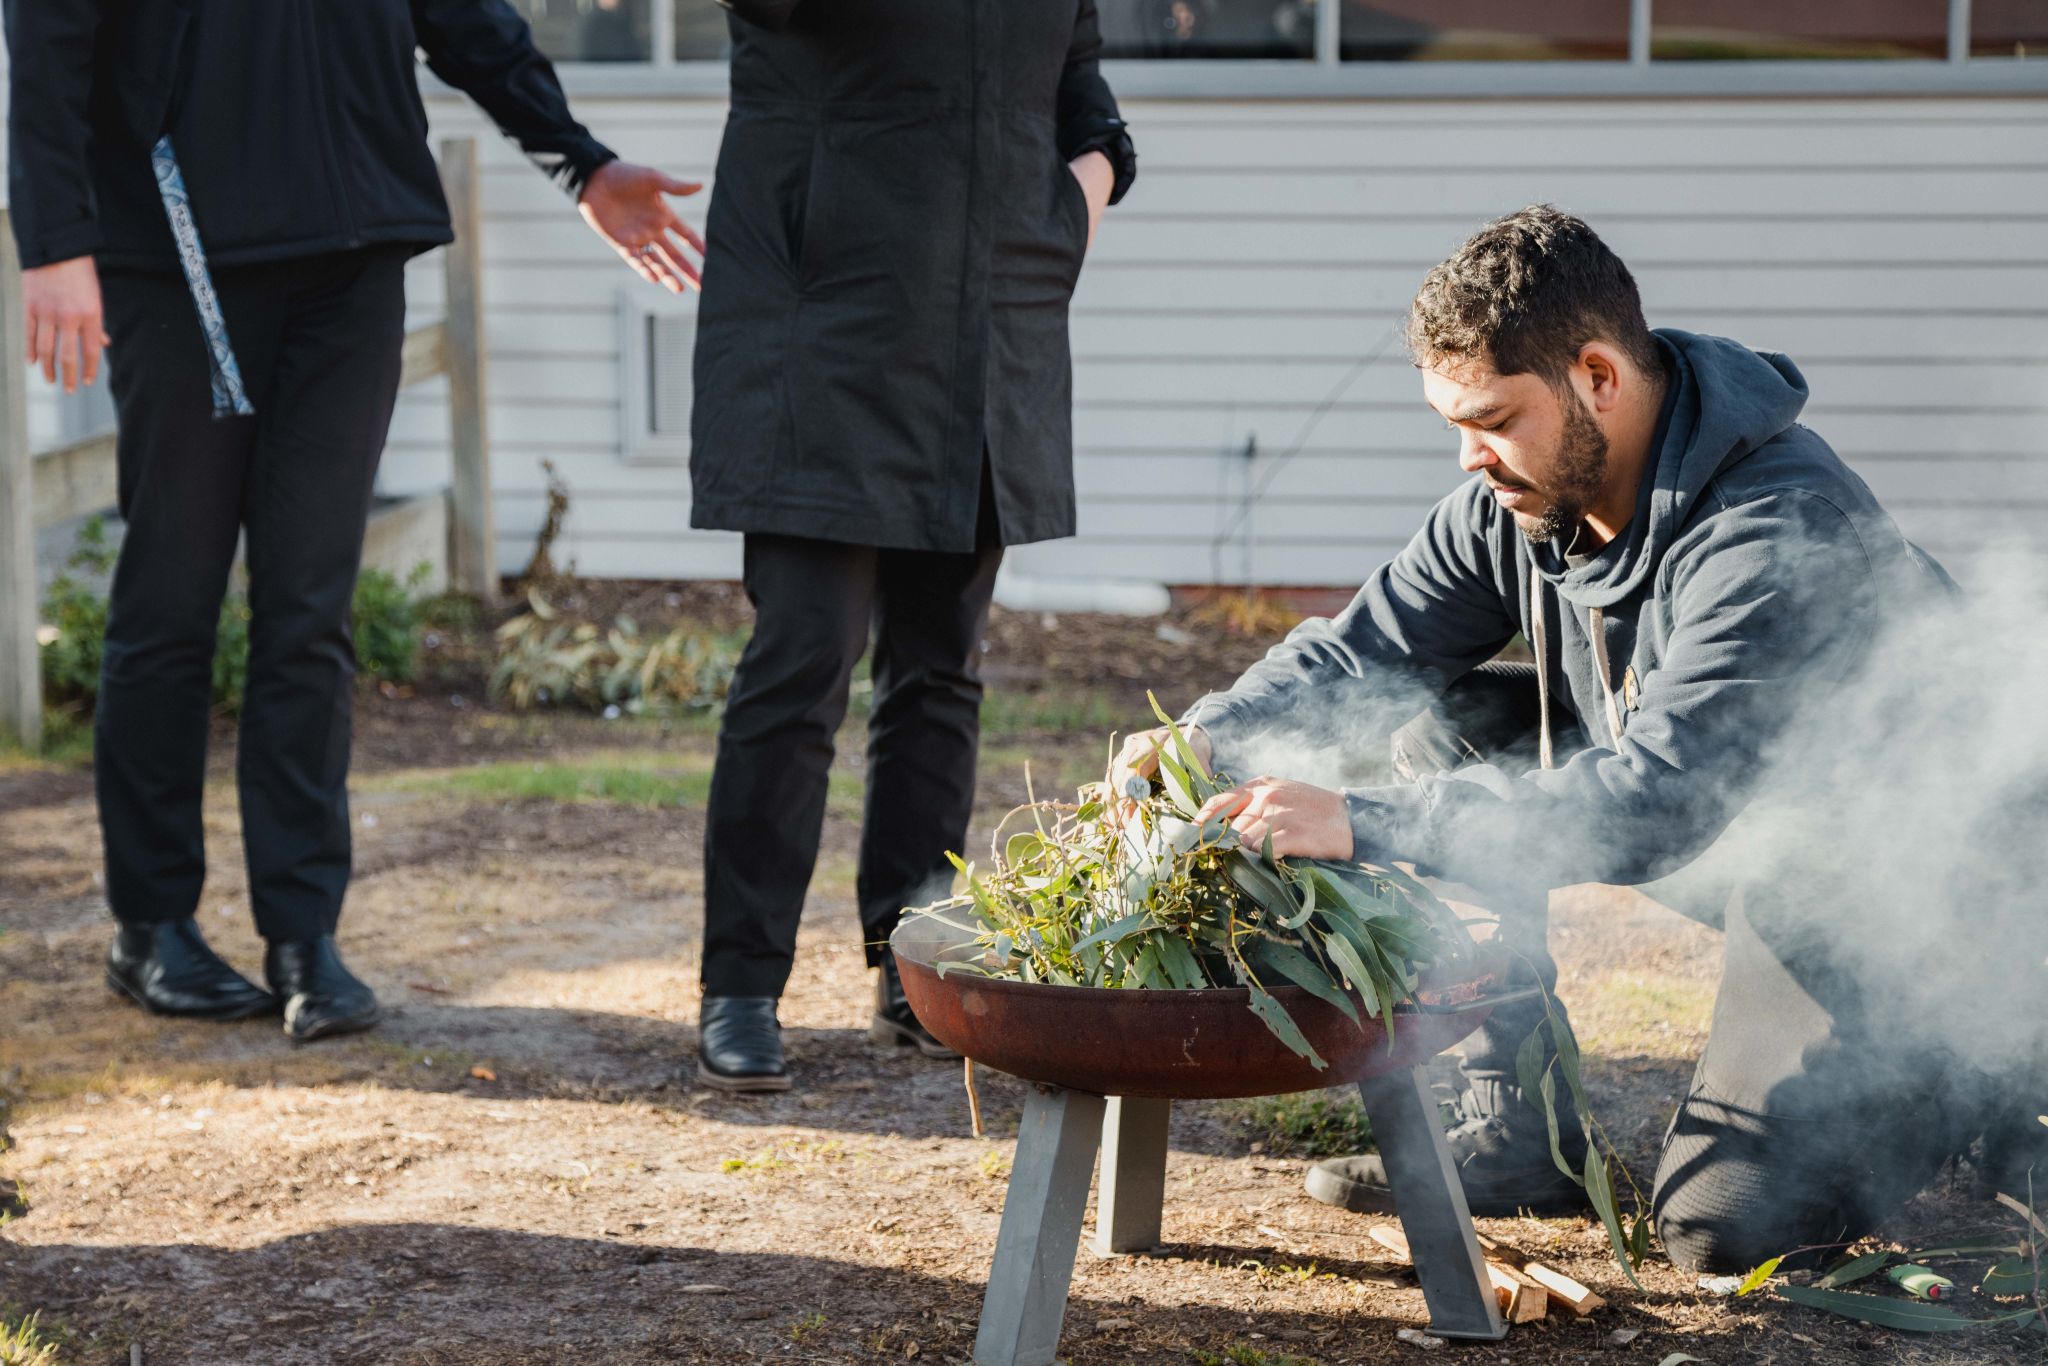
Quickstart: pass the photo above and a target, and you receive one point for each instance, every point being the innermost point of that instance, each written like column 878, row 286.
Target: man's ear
column 1601, row 375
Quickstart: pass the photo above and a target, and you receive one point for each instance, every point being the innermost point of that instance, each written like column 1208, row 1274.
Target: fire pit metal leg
column 1431, row 1205
column 1132, row 1193
column 1041, row 1229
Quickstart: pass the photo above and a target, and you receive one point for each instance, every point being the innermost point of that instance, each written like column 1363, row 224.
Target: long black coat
column 893, row 241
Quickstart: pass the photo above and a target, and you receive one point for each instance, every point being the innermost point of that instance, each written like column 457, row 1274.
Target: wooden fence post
column 21, row 671
column 472, row 525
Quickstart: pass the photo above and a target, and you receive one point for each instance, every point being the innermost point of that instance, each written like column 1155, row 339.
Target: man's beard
column 1581, row 470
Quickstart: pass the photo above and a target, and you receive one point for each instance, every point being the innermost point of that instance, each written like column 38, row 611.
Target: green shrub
column 75, row 623
column 231, row 654
column 1309, row 1124
column 386, row 615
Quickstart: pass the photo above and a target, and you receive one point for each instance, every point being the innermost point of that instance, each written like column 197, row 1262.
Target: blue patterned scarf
column 229, row 398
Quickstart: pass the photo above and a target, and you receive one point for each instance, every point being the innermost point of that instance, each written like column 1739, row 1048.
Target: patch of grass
column 67, row 743
column 806, row 1326
column 1644, row 1014
column 1006, row 714
column 1243, row 1354
column 785, row 1157
column 648, row 780
column 25, row 1341
column 1286, row 1271
column 1309, row 1124
column 995, row 1166
column 451, row 1062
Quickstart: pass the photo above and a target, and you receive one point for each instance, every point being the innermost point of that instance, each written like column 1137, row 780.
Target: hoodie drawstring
column 1539, row 641
column 1596, row 626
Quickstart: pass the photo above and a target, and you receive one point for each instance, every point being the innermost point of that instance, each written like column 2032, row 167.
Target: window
column 658, row 344
column 1752, row 30
column 701, row 33
column 2009, row 28
column 1272, row 29
column 1484, row 31
column 1421, row 49
column 591, row 30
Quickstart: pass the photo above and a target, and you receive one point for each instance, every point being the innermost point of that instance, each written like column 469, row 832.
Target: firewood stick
column 1393, row 1240
column 1521, row 1300
column 1563, row 1288
column 973, row 1099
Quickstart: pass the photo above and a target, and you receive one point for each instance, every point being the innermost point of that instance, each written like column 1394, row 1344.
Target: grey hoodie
column 1755, row 571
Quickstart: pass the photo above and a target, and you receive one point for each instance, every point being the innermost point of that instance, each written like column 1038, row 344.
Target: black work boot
column 169, row 969
column 1501, row 1148
column 321, row 996
column 739, row 1044
column 895, row 1023
column 2015, row 1158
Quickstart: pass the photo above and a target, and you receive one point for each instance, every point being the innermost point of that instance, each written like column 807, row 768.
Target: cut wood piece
column 1563, row 1288
column 1393, row 1240
column 1522, row 1300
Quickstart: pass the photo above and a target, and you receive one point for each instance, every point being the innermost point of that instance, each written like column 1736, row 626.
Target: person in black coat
column 883, row 403
column 245, row 181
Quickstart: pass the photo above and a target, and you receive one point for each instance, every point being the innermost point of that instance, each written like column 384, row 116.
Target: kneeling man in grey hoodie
column 1704, row 586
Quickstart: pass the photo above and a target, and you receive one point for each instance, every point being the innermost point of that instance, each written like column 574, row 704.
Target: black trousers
column 1802, row 1126
column 816, row 604
column 318, row 341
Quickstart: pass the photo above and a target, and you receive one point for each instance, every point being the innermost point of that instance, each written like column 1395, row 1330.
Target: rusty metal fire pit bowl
column 1177, row 1045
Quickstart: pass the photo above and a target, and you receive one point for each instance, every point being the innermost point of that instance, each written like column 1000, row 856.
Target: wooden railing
column 41, row 488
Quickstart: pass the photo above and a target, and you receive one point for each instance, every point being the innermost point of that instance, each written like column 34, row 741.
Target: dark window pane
column 1749, row 30
column 1484, row 31
column 701, row 34
column 1272, row 29
column 2009, row 28
column 590, row 30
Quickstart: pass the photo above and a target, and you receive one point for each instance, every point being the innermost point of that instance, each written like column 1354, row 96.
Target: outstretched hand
column 1301, row 820
column 626, row 206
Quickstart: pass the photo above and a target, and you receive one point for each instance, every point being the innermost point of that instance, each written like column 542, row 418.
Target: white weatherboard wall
column 1897, row 249
column 43, row 421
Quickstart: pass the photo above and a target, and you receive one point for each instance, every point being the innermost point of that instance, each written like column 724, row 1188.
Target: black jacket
column 893, row 241
column 297, row 123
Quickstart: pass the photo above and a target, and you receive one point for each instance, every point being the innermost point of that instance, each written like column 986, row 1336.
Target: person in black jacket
column 905, row 195
column 245, row 181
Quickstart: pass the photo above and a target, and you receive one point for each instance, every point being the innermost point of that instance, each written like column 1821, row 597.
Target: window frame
column 639, row 443
column 1326, row 77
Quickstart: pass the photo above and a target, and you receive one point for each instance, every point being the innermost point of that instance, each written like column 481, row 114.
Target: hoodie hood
column 1726, row 401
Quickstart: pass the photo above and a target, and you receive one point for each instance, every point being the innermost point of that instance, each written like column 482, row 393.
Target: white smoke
column 1899, row 829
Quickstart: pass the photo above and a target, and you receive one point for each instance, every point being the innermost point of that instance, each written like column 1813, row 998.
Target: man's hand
column 1139, row 756
column 1302, row 821
column 623, row 204
column 65, row 328
column 1097, row 179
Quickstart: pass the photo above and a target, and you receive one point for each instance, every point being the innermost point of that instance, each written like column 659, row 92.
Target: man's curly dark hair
column 1525, row 293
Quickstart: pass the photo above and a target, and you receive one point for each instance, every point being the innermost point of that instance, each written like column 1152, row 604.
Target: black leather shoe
column 739, row 1044
column 2015, row 1160
column 895, row 1023
column 321, row 996
column 169, row 968
column 1504, row 1167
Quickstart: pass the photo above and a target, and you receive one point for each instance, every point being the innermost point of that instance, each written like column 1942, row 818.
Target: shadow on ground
column 388, row 1293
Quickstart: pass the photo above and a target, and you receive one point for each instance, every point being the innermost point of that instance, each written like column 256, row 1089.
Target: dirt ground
column 519, row 1166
